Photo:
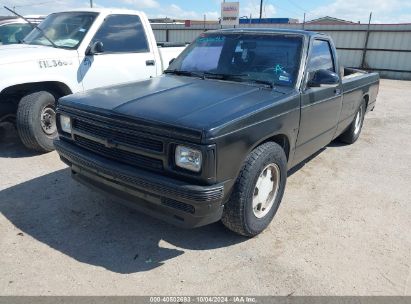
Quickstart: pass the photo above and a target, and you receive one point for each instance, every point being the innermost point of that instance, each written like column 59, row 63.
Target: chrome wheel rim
column 48, row 120
column 358, row 119
column 265, row 190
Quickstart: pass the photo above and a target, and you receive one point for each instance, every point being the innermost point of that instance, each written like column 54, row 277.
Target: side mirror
column 171, row 61
column 96, row 48
column 322, row 78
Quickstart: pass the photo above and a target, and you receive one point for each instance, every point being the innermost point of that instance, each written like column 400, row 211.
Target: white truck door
column 126, row 54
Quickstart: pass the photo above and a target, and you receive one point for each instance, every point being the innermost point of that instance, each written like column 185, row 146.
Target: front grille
column 126, row 137
column 122, row 156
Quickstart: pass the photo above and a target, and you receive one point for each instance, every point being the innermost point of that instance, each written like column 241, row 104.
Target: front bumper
column 171, row 200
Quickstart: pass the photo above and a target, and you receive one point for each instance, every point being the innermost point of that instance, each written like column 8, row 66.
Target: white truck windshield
column 65, row 30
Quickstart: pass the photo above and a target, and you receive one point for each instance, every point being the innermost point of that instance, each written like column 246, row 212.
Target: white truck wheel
column 36, row 121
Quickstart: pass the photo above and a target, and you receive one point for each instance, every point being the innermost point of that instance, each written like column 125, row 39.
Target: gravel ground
column 342, row 229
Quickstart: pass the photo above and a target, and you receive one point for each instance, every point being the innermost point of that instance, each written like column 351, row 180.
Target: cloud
column 176, row 12
column 248, row 8
column 384, row 11
column 142, row 4
column 27, row 7
column 403, row 18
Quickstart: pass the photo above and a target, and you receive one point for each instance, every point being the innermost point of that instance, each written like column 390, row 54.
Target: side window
column 321, row 57
column 122, row 34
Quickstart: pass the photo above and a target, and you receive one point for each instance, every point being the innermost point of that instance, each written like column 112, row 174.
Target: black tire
column 3, row 133
column 353, row 131
column 238, row 214
column 29, row 121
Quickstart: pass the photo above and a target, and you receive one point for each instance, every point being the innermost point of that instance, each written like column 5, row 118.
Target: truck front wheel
column 258, row 191
column 36, row 121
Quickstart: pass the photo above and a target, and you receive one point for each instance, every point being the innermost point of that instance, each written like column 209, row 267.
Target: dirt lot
column 343, row 228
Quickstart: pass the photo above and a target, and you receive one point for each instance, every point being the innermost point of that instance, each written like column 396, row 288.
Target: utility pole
column 205, row 18
column 91, row 3
column 261, row 10
column 367, row 37
column 304, row 22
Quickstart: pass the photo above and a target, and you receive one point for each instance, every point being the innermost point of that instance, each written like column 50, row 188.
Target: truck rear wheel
column 258, row 191
column 353, row 131
column 36, row 121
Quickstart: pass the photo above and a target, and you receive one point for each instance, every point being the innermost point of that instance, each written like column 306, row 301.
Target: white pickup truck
column 70, row 52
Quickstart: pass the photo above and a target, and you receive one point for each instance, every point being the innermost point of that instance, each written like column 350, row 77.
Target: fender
column 28, row 72
column 20, row 64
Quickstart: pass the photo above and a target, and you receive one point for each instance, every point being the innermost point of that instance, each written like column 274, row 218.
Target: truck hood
column 16, row 53
column 176, row 100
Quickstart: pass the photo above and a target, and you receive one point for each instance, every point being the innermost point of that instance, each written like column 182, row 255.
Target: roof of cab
column 269, row 30
column 13, row 20
column 103, row 11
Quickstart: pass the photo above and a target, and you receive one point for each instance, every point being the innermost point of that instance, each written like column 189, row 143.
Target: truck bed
column 169, row 52
column 355, row 79
column 351, row 72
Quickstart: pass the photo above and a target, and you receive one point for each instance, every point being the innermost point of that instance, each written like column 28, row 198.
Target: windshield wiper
column 266, row 82
column 225, row 75
column 184, row 73
column 222, row 76
column 34, row 26
column 241, row 77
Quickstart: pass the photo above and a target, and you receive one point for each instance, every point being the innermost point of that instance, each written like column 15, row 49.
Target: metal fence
column 384, row 48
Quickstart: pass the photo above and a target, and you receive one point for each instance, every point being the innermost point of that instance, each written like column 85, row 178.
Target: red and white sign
column 230, row 13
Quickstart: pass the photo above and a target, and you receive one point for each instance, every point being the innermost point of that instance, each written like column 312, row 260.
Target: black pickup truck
column 214, row 137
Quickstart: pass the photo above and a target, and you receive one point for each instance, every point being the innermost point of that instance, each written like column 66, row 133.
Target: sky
column 384, row 11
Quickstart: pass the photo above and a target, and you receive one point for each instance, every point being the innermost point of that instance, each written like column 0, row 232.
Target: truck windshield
column 65, row 30
column 261, row 58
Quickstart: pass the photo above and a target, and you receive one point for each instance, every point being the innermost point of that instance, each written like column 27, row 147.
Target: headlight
column 65, row 123
column 188, row 158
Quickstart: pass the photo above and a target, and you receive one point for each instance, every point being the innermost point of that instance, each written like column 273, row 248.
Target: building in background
column 245, row 20
column 182, row 21
column 329, row 20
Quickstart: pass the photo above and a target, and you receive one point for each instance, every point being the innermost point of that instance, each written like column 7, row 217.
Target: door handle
column 150, row 62
column 337, row 91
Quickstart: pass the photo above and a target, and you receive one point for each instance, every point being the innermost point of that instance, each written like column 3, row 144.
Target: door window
column 122, row 34
column 321, row 57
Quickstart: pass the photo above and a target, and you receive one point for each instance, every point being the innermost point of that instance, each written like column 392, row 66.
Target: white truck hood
column 19, row 53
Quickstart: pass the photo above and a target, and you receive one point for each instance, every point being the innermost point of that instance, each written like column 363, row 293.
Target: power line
column 297, row 6
column 35, row 4
column 285, row 9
